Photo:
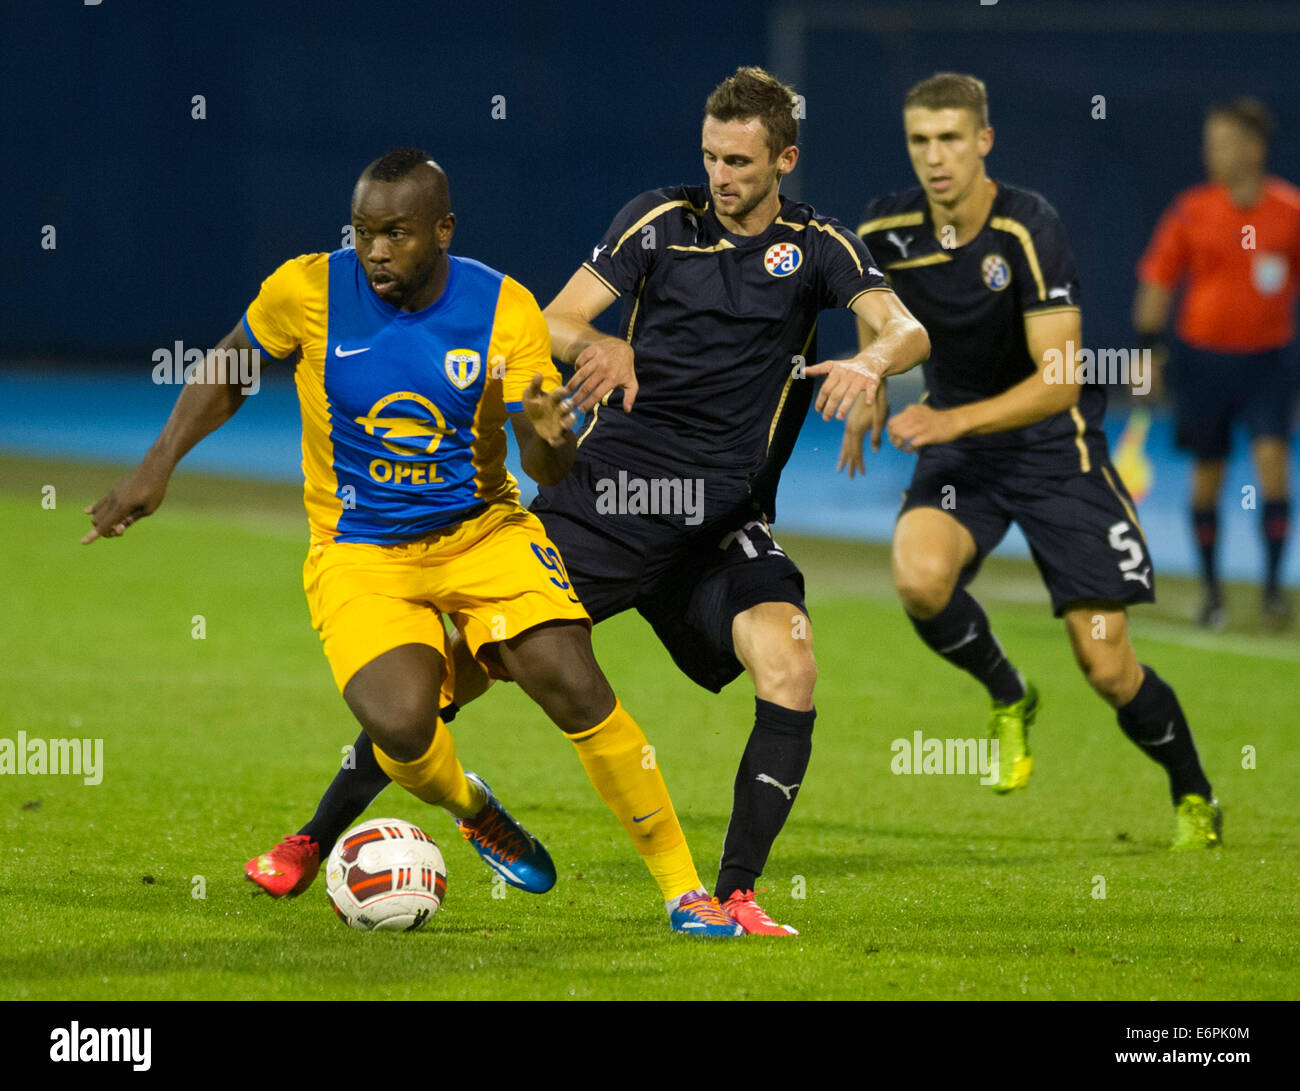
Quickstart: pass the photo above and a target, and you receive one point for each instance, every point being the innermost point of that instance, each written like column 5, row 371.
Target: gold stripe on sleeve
column 592, row 270
column 937, row 258
column 1021, row 232
column 655, row 212
column 903, row 219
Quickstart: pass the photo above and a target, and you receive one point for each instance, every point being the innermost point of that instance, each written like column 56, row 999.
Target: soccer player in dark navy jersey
column 694, row 407
column 1006, row 435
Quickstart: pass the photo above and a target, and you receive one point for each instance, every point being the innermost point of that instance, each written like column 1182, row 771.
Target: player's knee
column 575, row 709
column 786, row 679
column 923, row 586
column 402, row 723
column 1107, row 672
column 575, row 696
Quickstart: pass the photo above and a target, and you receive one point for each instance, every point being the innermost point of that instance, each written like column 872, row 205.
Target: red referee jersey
column 1240, row 292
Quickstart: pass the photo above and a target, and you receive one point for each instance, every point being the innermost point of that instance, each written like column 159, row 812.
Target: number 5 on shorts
column 1118, row 541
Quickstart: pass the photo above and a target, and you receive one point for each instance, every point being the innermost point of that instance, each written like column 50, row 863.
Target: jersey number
column 550, row 559
column 1121, row 540
column 743, row 539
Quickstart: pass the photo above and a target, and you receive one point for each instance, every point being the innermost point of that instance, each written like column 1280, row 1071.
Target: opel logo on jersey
column 462, row 367
column 995, row 271
column 417, row 427
column 782, row 259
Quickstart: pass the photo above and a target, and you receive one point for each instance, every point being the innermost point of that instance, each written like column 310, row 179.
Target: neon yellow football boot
column 1200, row 824
column 1009, row 726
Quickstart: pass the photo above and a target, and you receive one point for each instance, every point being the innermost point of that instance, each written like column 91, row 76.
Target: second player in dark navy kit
column 1052, row 477
column 722, row 326
column 1008, row 434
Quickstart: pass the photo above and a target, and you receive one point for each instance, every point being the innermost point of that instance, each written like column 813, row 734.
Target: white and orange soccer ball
column 386, row 875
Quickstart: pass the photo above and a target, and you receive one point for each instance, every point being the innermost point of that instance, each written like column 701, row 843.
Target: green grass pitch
column 904, row 887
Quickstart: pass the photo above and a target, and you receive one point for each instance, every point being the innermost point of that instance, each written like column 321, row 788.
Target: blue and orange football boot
column 506, row 847
column 697, row 914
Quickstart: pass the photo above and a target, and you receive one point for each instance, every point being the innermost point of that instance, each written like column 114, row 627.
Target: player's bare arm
column 543, row 431
column 1033, row 399
column 201, row 408
column 864, row 418
column 899, row 343
column 601, row 363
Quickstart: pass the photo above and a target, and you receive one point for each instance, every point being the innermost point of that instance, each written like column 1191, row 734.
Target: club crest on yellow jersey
column 462, row 367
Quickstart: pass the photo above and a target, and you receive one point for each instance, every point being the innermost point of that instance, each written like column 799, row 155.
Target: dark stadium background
column 166, row 224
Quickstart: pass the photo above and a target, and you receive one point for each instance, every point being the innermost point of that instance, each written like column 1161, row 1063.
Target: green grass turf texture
column 912, row 886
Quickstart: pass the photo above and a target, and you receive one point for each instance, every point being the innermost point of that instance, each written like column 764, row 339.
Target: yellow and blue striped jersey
column 403, row 413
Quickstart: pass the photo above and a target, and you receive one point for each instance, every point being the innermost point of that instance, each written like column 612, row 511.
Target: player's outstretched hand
column 600, row 368
column 863, row 419
column 135, row 496
column 845, row 380
column 546, row 412
column 920, row 426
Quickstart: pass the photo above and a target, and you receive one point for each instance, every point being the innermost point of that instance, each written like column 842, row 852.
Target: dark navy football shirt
column 973, row 300
column 718, row 323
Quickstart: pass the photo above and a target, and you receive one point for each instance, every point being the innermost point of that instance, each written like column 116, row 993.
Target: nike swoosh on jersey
column 338, row 351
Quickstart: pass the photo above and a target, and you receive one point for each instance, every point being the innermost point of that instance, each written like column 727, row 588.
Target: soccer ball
column 386, row 875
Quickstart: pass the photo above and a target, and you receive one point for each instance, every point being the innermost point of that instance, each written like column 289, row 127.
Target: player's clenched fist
column 601, row 367
column 920, row 426
column 547, row 413
column 132, row 498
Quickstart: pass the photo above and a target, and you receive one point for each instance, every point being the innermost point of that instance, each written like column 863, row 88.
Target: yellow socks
column 436, row 777
column 621, row 765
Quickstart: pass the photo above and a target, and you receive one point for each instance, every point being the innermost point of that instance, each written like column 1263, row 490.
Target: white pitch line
column 1252, row 647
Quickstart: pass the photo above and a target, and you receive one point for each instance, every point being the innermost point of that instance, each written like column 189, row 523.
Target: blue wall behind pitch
column 167, row 224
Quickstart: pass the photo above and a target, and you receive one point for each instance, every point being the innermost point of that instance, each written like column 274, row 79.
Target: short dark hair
column 397, row 163
column 1251, row 114
column 752, row 92
column 952, row 91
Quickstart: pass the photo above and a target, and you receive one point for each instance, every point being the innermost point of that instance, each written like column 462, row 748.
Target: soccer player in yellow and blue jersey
column 409, row 363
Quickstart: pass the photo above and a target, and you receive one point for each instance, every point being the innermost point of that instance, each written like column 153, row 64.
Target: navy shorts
column 1211, row 390
column 689, row 582
column 1082, row 529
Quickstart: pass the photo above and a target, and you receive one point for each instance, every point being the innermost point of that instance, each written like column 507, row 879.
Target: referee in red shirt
column 1233, row 245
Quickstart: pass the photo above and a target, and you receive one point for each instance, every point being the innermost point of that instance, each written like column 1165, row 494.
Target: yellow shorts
column 496, row 575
